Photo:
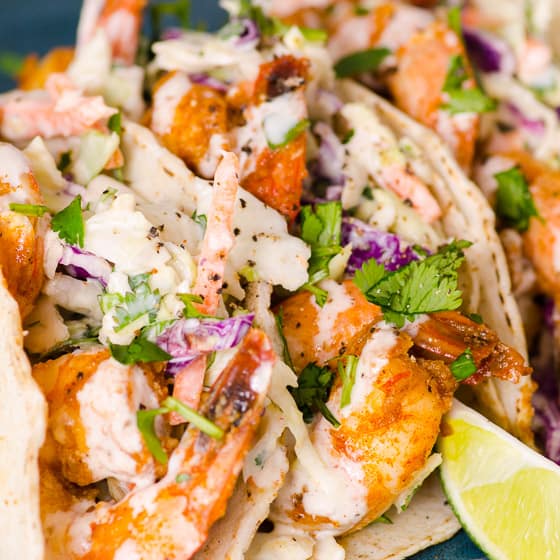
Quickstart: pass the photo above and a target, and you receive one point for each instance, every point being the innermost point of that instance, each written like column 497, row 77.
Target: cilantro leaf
column 145, row 420
column 200, row 219
column 424, row 286
column 514, row 203
column 454, row 20
column 37, row 210
column 139, row 350
column 321, row 228
column 135, row 304
column 472, row 100
column 369, row 275
column 348, row 375
column 190, row 311
column 312, row 392
column 463, row 367
column 279, row 320
column 69, row 223
column 292, row 134
column 11, row 63
column 359, row 62
column 65, row 161
column 114, row 123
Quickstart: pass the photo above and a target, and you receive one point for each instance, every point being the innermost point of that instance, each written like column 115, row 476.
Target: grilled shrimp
column 191, row 120
column 169, row 518
column 79, row 410
column 120, row 19
column 62, row 110
column 21, row 237
column 402, row 388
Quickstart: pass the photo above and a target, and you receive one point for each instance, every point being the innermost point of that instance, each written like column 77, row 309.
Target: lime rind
column 505, row 495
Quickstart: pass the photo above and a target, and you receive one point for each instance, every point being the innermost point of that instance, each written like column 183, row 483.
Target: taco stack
column 250, row 293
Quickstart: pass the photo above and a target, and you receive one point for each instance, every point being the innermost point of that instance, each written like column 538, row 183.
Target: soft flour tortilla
column 467, row 215
column 22, row 430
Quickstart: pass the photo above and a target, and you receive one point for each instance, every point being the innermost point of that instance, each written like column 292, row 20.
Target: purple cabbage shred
column 84, row 265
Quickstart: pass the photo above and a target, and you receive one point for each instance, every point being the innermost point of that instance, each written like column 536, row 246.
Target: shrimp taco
column 248, row 303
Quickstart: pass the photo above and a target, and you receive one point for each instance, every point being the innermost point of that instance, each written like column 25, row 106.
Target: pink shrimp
column 171, row 518
column 408, row 186
column 216, row 245
column 121, row 21
column 62, row 111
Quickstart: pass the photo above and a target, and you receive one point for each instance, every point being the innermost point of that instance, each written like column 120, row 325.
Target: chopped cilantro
column 313, row 35
column 424, row 286
column 182, row 477
column 139, row 350
column 464, row 366
column 476, row 318
column 312, row 392
column 114, row 123
column 514, row 203
column 348, row 375
column 320, row 228
column 367, row 193
column 279, row 319
column 361, row 11
column 11, row 63
column 190, row 311
column 29, row 209
column 383, row 519
column 360, row 62
column 249, row 273
column 69, row 223
column 472, row 100
column 348, row 136
column 292, row 134
column 454, row 20
column 145, row 420
column 200, row 219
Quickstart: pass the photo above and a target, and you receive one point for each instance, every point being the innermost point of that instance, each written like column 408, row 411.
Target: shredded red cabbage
column 534, row 126
column 82, row 265
column 331, row 155
column 171, row 33
column 206, row 80
column 547, row 416
column 489, row 53
column 369, row 243
column 329, row 101
column 250, row 32
column 187, row 339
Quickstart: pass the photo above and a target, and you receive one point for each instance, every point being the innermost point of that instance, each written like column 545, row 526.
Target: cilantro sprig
column 472, row 100
column 145, row 420
column 424, row 286
column 141, row 349
column 367, row 60
column 320, row 228
column 463, row 367
column 69, row 223
column 347, row 374
column 312, row 392
column 514, row 202
column 279, row 320
column 33, row 210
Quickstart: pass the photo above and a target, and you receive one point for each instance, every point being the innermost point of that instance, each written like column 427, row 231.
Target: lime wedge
column 506, row 496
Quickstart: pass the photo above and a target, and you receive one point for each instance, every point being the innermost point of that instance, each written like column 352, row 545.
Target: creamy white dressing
column 282, row 544
column 327, row 547
column 108, row 404
column 166, row 99
column 338, row 301
column 80, row 296
column 13, row 167
column 370, row 364
column 207, row 165
column 412, row 327
column 45, row 327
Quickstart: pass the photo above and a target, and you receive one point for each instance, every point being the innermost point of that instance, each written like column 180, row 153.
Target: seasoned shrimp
column 191, row 120
column 21, row 237
column 542, row 239
column 275, row 174
column 402, row 388
column 35, row 72
column 217, row 242
column 79, row 411
column 171, row 518
column 60, row 111
column 120, row 19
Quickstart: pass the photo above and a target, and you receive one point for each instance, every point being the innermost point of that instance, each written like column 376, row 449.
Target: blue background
column 37, row 25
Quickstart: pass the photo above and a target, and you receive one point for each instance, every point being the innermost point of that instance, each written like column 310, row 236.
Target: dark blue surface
column 38, row 25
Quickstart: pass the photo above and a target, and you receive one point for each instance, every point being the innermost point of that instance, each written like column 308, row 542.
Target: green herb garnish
column 514, row 203
column 424, row 286
column 454, row 20
column 11, row 63
column 292, row 134
column 190, row 311
column 115, row 123
column 139, row 350
column 279, row 319
column 360, row 62
column 179, row 10
column 461, row 100
column 145, row 420
column 37, row 210
column 348, row 375
column 463, row 367
column 64, row 161
column 200, row 219
column 69, row 223
column 312, row 392
column 320, row 228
